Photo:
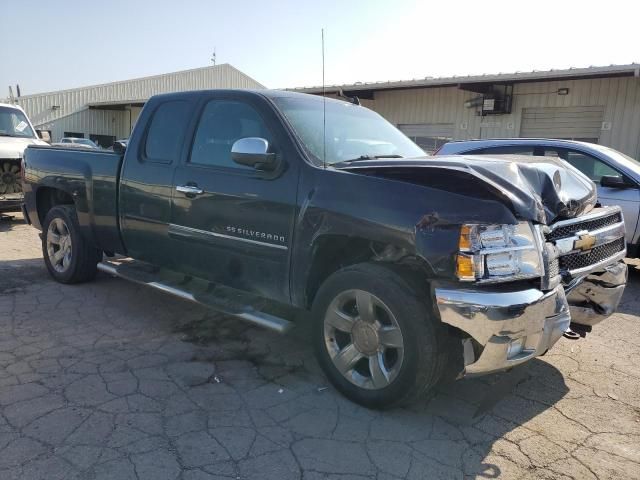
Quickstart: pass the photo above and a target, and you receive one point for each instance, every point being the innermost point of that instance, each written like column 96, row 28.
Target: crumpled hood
column 12, row 147
column 540, row 189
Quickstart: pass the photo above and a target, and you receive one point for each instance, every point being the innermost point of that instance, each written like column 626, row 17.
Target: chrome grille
column 554, row 268
column 593, row 224
column 604, row 227
column 575, row 261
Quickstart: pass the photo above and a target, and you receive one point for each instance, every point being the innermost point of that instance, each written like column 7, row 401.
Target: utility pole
column 213, row 57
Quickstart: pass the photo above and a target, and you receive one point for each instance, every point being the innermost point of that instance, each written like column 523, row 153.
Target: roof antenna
column 324, row 112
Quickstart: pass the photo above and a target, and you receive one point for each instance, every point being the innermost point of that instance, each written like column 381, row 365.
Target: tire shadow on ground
column 470, row 415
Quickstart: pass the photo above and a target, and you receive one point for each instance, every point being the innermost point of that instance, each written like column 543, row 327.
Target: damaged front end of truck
column 518, row 287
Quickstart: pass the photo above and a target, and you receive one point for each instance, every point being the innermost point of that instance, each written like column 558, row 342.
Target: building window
column 74, row 135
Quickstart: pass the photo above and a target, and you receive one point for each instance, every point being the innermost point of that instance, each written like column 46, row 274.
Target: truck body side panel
column 88, row 177
column 339, row 203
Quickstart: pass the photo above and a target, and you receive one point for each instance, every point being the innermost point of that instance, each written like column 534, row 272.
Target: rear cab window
column 166, row 132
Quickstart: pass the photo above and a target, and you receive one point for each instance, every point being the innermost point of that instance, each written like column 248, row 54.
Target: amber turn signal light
column 465, row 268
column 465, row 238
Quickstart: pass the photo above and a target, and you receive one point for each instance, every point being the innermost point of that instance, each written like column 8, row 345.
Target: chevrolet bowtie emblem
column 585, row 242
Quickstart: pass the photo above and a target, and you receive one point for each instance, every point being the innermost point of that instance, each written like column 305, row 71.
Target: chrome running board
column 223, row 299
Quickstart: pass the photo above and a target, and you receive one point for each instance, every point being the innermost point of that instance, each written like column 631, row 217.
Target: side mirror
column 119, row 147
column 44, row 135
column 253, row 152
column 614, row 181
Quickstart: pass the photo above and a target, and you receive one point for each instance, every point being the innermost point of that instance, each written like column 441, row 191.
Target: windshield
column 352, row 131
column 13, row 123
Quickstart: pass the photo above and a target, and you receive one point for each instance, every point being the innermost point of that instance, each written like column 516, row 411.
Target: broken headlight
column 499, row 253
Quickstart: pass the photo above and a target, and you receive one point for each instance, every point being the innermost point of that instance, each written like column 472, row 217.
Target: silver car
column 77, row 142
column 617, row 175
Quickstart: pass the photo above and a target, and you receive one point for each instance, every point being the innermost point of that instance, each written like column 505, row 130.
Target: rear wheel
column 67, row 255
column 375, row 338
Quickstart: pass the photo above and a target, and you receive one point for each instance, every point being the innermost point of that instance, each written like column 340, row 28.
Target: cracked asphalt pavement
column 113, row 380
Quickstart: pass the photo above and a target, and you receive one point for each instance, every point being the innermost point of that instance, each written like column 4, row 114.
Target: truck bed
column 89, row 176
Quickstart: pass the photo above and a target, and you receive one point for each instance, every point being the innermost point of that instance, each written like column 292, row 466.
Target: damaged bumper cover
column 509, row 327
column 597, row 295
column 506, row 327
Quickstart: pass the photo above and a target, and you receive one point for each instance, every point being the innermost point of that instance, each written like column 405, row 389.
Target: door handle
column 189, row 189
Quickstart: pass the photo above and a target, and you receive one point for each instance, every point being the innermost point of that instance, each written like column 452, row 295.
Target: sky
column 47, row 46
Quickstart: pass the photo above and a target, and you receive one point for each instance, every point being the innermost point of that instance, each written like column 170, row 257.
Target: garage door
column 429, row 136
column 574, row 123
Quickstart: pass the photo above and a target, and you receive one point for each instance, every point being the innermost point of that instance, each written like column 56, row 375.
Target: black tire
column 423, row 336
column 83, row 257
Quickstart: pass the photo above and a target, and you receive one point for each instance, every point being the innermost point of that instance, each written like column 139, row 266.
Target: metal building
column 107, row 112
column 596, row 104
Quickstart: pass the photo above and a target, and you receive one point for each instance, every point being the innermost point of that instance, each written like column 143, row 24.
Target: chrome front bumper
column 10, row 202
column 508, row 327
column 499, row 322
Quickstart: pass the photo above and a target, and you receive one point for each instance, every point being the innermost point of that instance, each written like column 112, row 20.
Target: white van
column 16, row 134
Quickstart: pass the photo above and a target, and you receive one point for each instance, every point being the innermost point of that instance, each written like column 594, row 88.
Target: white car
column 16, row 134
column 616, row 175
column 76, row 142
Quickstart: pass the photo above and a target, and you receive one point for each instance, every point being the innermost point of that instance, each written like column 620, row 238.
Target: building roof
column 468, row 81
column 209, row 68
column 44, row 108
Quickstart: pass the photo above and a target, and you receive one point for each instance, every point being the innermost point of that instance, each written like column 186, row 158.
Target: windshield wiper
column 366, row 157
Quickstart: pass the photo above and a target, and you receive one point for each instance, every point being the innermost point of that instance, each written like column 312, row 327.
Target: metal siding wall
column 135, row 113
column 431, row 106
column 620, row 98
column 39, row 107
column 99, row 122
column 443, row 130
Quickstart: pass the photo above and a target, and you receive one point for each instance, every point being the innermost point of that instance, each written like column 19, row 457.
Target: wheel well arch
column 331, row 253
column 49, row 197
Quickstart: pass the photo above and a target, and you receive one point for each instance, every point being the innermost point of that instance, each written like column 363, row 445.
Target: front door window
column 591, row 166
column 221, row 124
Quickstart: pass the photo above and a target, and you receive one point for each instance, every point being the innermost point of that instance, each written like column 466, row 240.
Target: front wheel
column 67, row 254
column 375, row 337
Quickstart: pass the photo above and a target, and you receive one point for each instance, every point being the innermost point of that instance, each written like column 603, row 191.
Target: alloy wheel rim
column 59, row 247
column 363, row 339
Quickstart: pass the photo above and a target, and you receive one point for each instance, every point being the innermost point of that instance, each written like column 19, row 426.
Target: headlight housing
column 499, row 253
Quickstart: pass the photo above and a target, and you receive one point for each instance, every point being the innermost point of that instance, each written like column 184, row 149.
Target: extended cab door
column 233, row 224
column 157, row 146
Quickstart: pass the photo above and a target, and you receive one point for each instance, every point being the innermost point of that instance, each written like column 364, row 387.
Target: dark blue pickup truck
column 413, row 268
